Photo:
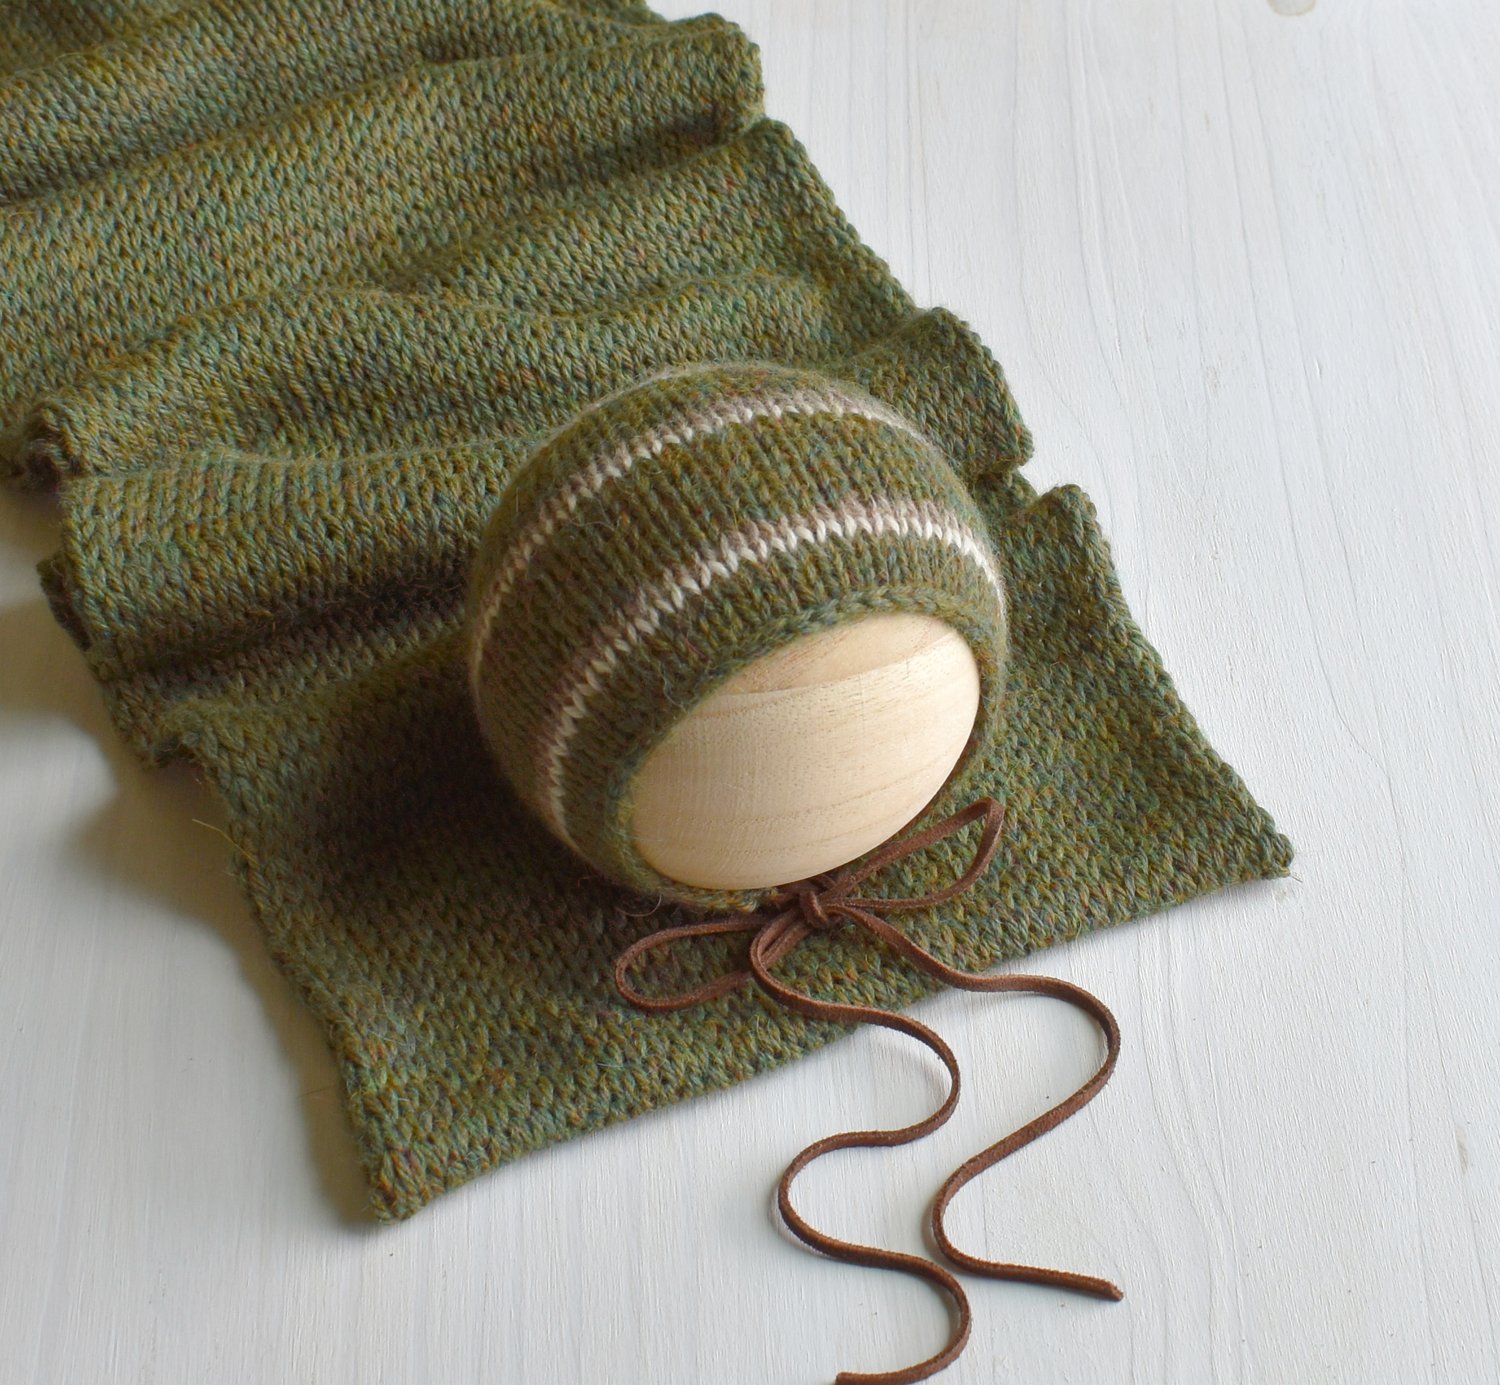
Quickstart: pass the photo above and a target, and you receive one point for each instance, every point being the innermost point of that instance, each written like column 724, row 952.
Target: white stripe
column 611, row 466
column 754, row 544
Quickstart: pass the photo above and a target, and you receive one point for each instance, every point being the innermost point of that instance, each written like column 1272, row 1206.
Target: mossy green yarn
column 294, row 292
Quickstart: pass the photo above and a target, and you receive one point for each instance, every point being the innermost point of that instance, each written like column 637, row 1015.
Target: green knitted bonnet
column 287, row 345
column 678, row 530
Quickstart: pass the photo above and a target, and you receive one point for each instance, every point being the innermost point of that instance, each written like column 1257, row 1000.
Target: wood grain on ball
column 810, row 756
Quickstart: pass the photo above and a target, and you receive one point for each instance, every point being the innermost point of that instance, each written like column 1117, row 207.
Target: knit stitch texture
column 292, row 291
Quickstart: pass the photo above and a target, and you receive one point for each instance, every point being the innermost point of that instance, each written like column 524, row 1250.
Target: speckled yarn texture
column 292, row 290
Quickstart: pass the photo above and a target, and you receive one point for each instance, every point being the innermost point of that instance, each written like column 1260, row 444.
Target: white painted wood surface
column 1243, row 267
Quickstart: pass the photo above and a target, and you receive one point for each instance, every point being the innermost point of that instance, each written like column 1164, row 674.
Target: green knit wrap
column 295, row 292
column 680, row 529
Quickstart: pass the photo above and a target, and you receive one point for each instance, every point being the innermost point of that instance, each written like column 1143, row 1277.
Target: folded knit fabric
column 292, row 294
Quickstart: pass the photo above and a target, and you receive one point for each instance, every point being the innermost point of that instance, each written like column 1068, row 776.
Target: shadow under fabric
column 290, row 298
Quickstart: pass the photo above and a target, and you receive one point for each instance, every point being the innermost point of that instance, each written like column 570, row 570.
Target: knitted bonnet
column 674, row 532
column 412, row 480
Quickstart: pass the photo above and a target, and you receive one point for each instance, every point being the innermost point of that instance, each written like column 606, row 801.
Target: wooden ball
column 809, row 757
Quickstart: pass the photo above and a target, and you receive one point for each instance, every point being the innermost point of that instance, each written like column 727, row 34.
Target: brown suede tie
column 827, row 902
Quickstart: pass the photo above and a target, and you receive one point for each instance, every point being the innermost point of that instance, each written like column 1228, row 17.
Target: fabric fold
column 344, row 188
column 197, row 71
